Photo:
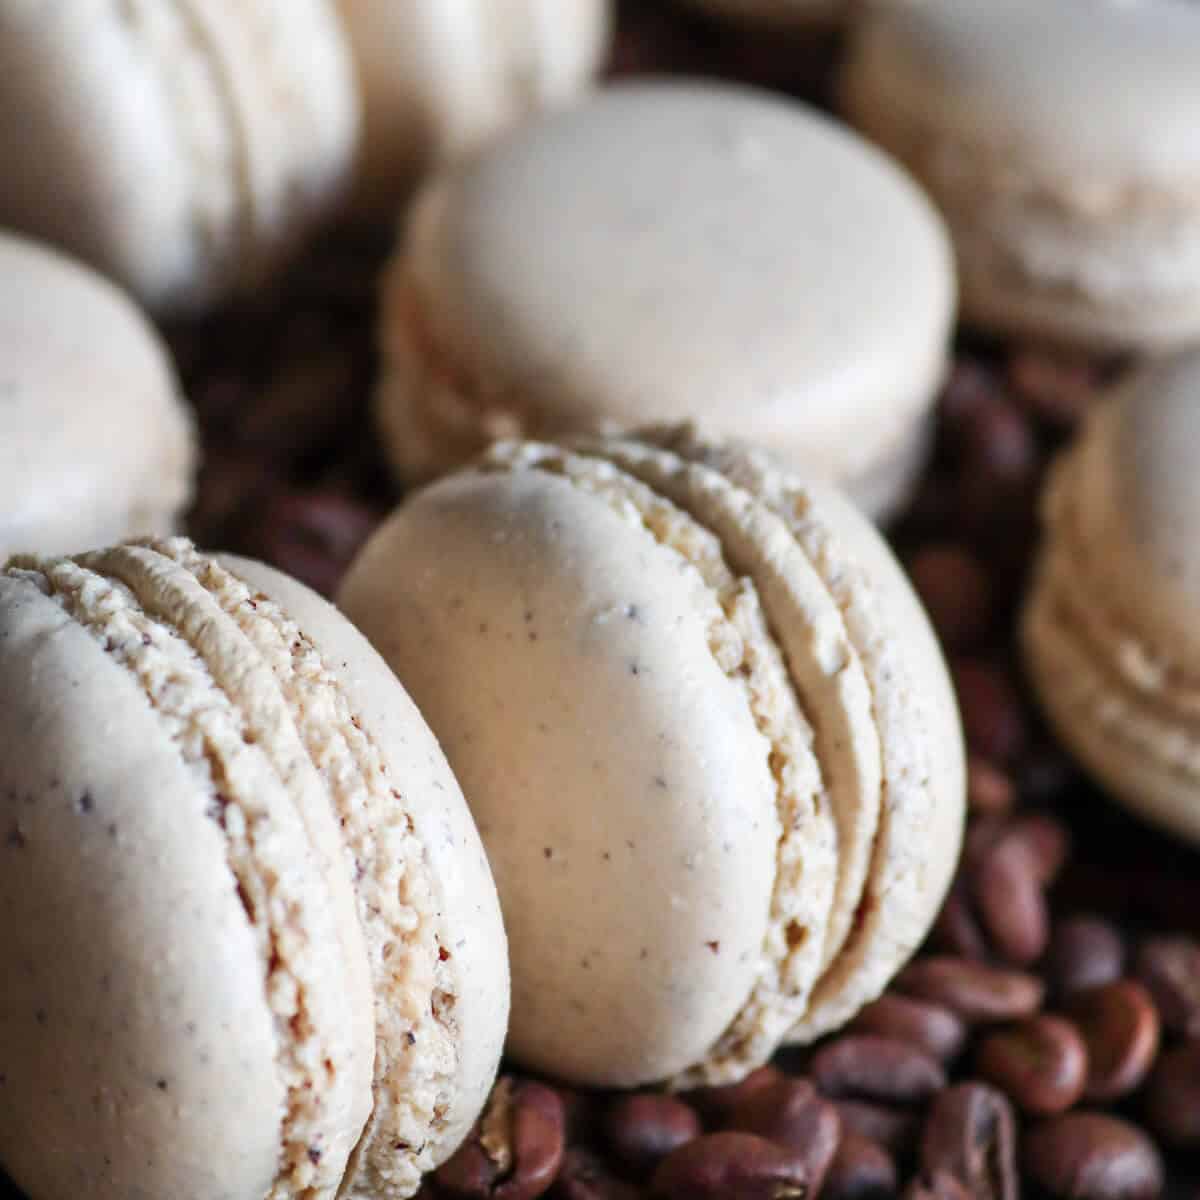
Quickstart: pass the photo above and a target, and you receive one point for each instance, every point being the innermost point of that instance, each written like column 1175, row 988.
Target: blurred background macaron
column 1062, row 142
column 180, row 148
column 670, row 251
column 440, row 77
column 96, row 443
column 1112, row 627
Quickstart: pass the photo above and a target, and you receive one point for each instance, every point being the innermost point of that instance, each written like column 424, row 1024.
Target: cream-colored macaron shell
column 253, row 990
column 1062, row 142
column 778, row 14
column 655, row 686
column 179, row 147
column 95, row 442
column 665, row 252
column 1110, row 631
column 440, row 77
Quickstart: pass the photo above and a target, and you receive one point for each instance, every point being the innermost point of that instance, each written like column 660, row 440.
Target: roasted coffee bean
column 971, row 388
column 642, row 1129
column 897, row 1129
column 793, row 1114
column 999, row 445
column 516, row 1148
column 954, row 589
column 861, row 1170
column 938, row 1185
column 1120, row 1027
column 1055, row 386
column 1047, row 841
column 990, row 791
column 1040, row 1063
column 1170, row 969
column 722, row 1165
column 1089, row 1156
column 583, row 1176
column 1084, row 952
column 718, row 1104
column 974, row 990
column 971, row 1133
column 1008, row 895
column 993, row 719
column 868, row 1067
column 1173, row 1097
column 955, row 931
column 930, row 1027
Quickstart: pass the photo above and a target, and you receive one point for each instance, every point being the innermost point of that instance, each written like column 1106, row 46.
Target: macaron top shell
column 95, row 441
column 676, row 250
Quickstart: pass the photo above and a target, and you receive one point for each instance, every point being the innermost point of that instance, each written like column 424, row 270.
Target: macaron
column 1112, row 628
column 1062, row 142
column 777, row 14
column 705, row 731
column 440, row 77
column 180, row 148
column 672, row 251
column 253, row 946
column 95, row 441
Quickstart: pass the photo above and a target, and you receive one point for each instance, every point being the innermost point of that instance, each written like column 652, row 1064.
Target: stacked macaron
column 705, row 731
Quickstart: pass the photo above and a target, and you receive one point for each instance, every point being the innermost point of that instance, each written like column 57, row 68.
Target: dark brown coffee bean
column 999, row 444
column 868, row 1067
column 971, row 1133
column 1120, row 1027
column 1084, row 952
column 721, row 1165
column 1039, row 1063
column 971, row 388
column 993, row 718
column 1089, row 1156
column 793, row 1114
column 1009, row 897
column 718, row 1104
column 990, row 792
column 642, row 1129
column 974, row 990
column 861, row 1170
column 897, row 1129
column 516, row 1148
column 1055, row 386
column 1173, row 1097
column 1047, row 841
column 1170, row 969
column 955, row 931
column 938, row 1185
column 936, row 1030
column 584, row 1176
column 954, row 589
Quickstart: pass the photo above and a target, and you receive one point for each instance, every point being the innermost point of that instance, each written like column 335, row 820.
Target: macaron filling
column 743, row 646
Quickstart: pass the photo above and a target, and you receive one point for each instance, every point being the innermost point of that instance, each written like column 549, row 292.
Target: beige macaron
column 180, row 147
column 667, row 252
column 778, row 14
column 253, row 945
column 1112, row 629
column 95, row 442
column 1062, row 142
column 706, row 733
column 440, row 77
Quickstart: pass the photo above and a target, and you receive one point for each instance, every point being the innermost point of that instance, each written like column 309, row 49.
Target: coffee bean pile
column 1046, row 1040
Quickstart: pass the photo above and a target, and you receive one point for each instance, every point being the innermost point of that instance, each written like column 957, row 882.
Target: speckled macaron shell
column 1110, row 629
column 95, row 442
column 179, row 147
column 1061, row 142
column 778, row 14
column 440, row 77
column 670, row 251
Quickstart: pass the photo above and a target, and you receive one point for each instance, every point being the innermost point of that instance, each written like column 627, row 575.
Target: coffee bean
column 954, row 589
column 861, row 1170
column 584, row 1176
column 869, row 1067
column 793, row 1114
column 896, row 1129
column 937, row 1031
column 1173, row 1097
column 718, row 1104
column 1089, row 1156
column 1170, row 969
column 642, row 1129
column 990, row 792
column 1055, row 386
column 515, row 1150
column 1084, row 952
column 971, row 1133
column 999, row 444
column 1047, row 841
column 1040, row 1063
column 1120, row 1027
column 721, row 1165
column 970, row 389
column 974, row 990
column 993, row 720
column 1009, row 896
column 955, row 931
column 938, row 1185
